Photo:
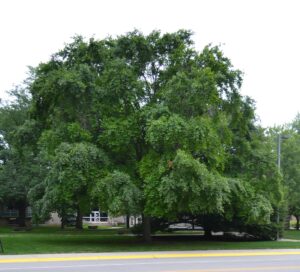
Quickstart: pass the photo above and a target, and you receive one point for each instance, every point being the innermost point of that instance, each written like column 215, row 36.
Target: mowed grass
column 54, row 240
column 292, row 234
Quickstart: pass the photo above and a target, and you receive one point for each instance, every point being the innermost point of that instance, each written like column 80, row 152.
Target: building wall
column 54, row 220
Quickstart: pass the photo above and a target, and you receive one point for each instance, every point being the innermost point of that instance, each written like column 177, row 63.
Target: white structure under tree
column 96, row 217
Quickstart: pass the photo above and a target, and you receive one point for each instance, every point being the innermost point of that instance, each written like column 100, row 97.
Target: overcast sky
column 261, row 37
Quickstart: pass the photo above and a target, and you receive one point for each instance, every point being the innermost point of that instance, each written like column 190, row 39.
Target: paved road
column 193, row 261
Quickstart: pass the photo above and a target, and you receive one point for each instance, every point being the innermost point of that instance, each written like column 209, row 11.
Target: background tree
column 20, row 168
column 290, row 167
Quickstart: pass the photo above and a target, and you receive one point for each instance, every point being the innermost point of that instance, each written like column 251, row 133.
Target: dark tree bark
column 63, row 217
column 207, row 233
column 63, row 222
column 78, row 224
column 193, row 224
column 22, row 215
column 147, row 229
column 127, row 221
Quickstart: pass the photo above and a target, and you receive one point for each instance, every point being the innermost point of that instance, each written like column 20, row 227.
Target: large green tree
column 179, row 136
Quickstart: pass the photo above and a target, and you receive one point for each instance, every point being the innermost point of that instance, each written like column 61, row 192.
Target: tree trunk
column 207, row 233
column 287, row 220
column 147, row 229
column 79, row 220
column 63, row 222
column 127, row 221
column 297, row 222
column 22, row 215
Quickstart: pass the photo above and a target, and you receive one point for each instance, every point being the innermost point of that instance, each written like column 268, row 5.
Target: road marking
column 102, row 265
column 147, row 256
column 241, row 269
column 109, row 264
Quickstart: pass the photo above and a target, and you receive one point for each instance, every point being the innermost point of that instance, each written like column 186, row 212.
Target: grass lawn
column 292, row 234
column 54, row 240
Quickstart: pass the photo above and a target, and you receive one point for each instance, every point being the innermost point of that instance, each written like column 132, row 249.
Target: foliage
column 118, row 194
column 290, row 166
column 186, row 186
column 20, row 167
column 145, row 124
column 74, row 171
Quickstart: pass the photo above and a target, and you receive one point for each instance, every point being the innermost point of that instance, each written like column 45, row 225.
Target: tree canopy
column 146, row 124
column 289, row 138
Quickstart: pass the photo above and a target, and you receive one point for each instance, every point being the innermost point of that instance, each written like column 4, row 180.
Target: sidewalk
column 288, row 240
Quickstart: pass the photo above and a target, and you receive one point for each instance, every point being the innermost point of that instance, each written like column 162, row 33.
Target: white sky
column 261, row 37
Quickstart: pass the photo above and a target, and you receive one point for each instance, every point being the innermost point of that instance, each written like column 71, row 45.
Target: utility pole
column 279, row 171
column 279, row 152
column 279, row 140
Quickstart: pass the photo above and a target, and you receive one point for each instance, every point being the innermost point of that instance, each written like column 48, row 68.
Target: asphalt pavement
column 184, row 261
